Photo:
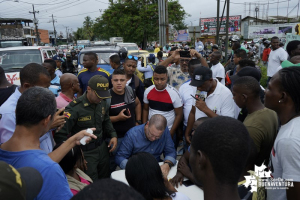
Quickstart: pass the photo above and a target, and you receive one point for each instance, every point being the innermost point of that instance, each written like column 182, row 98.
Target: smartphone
column 187, row 183
column 185, row 54
column 127, row 112
column 194, row 97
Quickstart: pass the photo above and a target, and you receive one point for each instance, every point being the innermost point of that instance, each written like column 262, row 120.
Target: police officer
column 91, row 110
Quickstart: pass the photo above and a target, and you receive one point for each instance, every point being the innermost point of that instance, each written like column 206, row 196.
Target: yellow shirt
column 156, row 50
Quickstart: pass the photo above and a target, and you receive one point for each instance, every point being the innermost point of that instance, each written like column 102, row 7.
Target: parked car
column 13, row 59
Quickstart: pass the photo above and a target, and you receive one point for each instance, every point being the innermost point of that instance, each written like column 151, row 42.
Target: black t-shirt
column 67, row 67
column 5, row 93
column 116, row 106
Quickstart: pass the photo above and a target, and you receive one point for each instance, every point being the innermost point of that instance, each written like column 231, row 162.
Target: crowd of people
column 224, row 122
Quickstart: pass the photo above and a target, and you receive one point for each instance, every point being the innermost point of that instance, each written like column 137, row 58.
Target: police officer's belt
column 92, row 145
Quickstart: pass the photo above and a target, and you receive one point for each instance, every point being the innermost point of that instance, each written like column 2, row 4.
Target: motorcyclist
column 68, row 67
column 60, row 56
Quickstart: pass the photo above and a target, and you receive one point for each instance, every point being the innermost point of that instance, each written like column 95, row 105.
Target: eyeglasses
column 132, row 57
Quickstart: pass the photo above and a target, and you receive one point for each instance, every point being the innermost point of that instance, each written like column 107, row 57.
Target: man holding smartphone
column 218, row 100
column 125, row 109
column 178, row 74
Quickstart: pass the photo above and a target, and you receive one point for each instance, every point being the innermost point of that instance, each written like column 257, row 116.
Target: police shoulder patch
column 67, row 114
column 75, row 102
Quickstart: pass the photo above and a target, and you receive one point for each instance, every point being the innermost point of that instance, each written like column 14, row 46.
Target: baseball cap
column 22, row 183
column 201, row 74
column 247, row 71
column 287, row 63
column 100, row 85
column 151, row 57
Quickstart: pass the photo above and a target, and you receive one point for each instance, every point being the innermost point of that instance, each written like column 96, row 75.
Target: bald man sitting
column 69, row 87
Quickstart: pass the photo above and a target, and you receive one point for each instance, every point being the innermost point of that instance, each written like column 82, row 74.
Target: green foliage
column 136, row 21
column 86, row 32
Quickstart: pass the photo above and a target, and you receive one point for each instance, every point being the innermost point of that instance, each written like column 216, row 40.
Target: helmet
column 200, row 48
column 73, row 51
column 123, row 53
column 68, row 55
column 60, row 52
column 215, row 46
column 235, row 38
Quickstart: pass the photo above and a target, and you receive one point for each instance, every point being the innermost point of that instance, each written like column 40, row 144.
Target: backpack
column 129, row 94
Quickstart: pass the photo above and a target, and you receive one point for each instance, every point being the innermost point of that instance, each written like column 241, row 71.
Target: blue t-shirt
column 55, row 184
column 85, row 75
column 55, row 86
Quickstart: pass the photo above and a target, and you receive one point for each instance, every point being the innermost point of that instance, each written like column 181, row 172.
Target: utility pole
column 298, row 9
column 67, row 36
column 167, row 23
column 218, row 22
column 227, row 26
column 36, row 26
column 256, row 10
column 54, row 20
column 162, row 22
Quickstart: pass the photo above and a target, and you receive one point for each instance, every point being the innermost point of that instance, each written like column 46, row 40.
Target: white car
column 13, row 59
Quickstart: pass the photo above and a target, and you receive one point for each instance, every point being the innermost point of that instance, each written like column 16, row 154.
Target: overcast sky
column 71, row 13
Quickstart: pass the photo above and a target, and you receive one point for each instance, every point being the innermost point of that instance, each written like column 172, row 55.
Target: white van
column 13, row 59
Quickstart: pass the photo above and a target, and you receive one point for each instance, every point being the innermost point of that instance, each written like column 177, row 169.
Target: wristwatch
column 139, row 122
column 170, row 164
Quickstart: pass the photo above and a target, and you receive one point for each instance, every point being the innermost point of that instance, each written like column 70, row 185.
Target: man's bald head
column 158, row 121
column 66, row 81
column 295, row 59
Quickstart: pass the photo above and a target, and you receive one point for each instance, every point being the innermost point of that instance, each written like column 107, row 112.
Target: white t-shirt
column 285, row 157
column 185, row 91
column 275, row 59
column 218, row 71
column 128, row 82
column 220, row 102
column 163, row 102
column 180, row 196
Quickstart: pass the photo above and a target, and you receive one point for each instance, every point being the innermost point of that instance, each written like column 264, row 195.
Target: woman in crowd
column 143, row 173
column 283, row 96
column 73, row 165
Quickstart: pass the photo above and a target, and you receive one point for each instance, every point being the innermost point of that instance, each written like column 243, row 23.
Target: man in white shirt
column 211, row 99
column 276, row 57
column 197, row 44
column 218, row 70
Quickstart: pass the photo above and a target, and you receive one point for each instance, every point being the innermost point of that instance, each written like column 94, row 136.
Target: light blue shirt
column 148, row 72
column 58, row 73
column 197, row 44
column 8, row 123
column 55, row 86
column 55, row 184
column 136, row 141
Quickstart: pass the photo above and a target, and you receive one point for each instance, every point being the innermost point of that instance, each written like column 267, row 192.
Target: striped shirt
column 163, row 102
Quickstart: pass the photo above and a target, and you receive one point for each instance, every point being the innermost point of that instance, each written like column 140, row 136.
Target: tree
column 88, row 27
column 136, row 20
column 86, row 31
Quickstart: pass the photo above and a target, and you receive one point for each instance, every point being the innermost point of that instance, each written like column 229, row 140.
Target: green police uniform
column 80, row 115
